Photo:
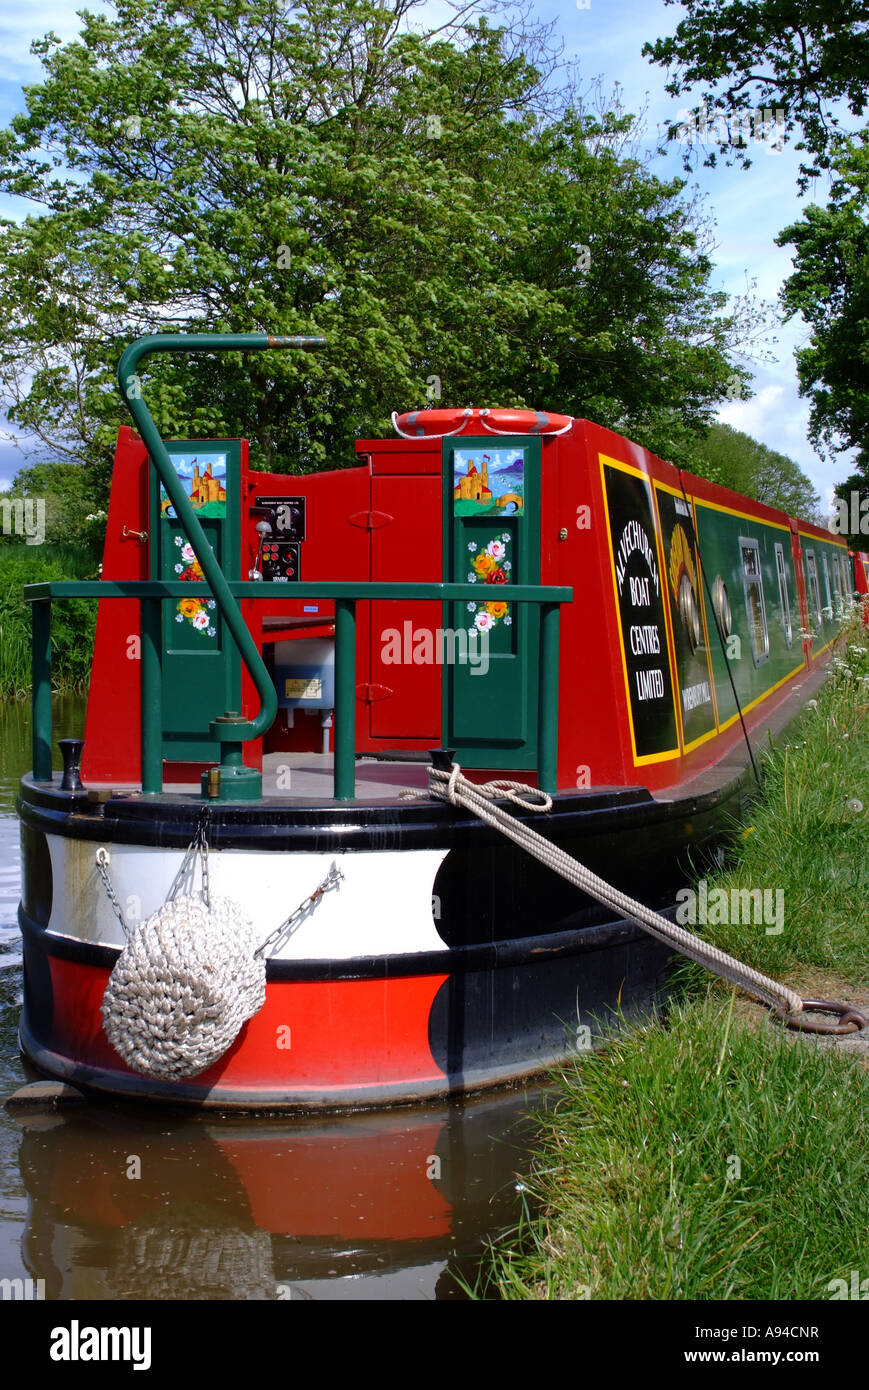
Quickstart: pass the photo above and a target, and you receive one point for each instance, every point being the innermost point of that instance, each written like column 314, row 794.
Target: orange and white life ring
column 441, row 424
column 438, row 424
column 524, row 422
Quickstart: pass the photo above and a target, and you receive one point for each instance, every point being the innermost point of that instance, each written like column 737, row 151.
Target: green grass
column 809, row 834
column 716, row 1157
column 72, row 626
column 699, row 1161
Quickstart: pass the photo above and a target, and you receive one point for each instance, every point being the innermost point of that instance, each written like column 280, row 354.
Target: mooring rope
column 452, row 787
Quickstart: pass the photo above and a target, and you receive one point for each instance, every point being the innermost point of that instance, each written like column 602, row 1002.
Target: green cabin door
column 492, row 539
column 201, row 666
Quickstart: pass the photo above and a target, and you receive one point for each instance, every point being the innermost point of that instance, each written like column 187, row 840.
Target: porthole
column 722, row 605
column 690, row 612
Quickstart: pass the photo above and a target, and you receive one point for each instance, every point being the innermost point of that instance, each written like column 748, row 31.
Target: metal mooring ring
column 850, row 1019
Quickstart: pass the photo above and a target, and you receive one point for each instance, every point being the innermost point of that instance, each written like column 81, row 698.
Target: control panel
column 280, row 560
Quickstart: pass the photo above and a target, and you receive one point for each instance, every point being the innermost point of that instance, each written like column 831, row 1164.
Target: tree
column 245, row 165
column 732, row 458
column 74, row 515
column 810, row 60
column 830, row 289
column 813, row 61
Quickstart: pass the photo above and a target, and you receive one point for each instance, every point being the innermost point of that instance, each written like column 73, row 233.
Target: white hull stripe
column 382, row 906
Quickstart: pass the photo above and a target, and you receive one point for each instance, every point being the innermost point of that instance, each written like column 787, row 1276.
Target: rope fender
column 191, row 975
column 452, row 787
column 183, row 986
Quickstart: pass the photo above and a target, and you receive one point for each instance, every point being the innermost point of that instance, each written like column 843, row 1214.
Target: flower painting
column 195, row 611
column 489, row 565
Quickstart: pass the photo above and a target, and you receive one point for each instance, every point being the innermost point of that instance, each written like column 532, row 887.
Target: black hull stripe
column 524, row 951
column 127, row 1087
column 332, row 829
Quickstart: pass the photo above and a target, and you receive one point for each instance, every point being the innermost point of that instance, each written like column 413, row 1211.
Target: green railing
column 152, row 593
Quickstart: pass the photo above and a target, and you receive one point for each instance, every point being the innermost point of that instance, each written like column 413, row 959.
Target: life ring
column 441, row 424
column 438, row 424
column 524, row 422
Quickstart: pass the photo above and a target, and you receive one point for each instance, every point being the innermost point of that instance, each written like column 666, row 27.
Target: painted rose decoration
column 194, row 611
column 490, row 565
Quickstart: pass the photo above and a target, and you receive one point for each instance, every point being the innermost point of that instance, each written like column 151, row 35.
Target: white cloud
column 779, row 418
column 753, row 415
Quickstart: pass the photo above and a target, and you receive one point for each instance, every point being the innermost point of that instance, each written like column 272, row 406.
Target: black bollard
column 71, row 751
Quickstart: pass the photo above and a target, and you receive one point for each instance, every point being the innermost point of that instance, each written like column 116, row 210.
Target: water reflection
column 368, row 1205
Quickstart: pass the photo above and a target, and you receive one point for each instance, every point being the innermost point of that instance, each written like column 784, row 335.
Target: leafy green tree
column 75, row 515
column 735, row 460
column 246, row 165
column 812, row 61
column 830, row 289
column 809, row 59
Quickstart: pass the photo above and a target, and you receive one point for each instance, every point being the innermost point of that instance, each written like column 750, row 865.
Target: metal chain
column 102, row 862
column 330, row 881
column 203, row 854
column 198, row 845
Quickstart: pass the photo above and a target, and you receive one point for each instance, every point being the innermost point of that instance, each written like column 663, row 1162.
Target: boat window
column 690, row 613
column 784, row 600
column 828, row 611
column 754, row 603
column 814, row 591
column 721, row 601
column 837, row 583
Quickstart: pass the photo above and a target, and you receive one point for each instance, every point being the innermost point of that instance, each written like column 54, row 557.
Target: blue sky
column 748, row 207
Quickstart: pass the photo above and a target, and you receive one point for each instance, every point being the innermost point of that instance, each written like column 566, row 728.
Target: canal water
column 102, row 1202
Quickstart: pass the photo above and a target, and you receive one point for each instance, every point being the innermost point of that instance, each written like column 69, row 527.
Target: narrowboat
column 529, row 596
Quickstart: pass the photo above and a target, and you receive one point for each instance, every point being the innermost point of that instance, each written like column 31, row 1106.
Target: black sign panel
column 641, row 597
column 287, row 516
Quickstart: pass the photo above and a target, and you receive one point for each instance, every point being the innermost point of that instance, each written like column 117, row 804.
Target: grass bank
column 72, row 625
column 808, row 836
column 716, row 1157
column 697, row 1162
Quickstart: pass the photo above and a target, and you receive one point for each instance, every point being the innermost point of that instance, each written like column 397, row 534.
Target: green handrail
column 346, row 594
column 363, row 590
column 131, row 392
